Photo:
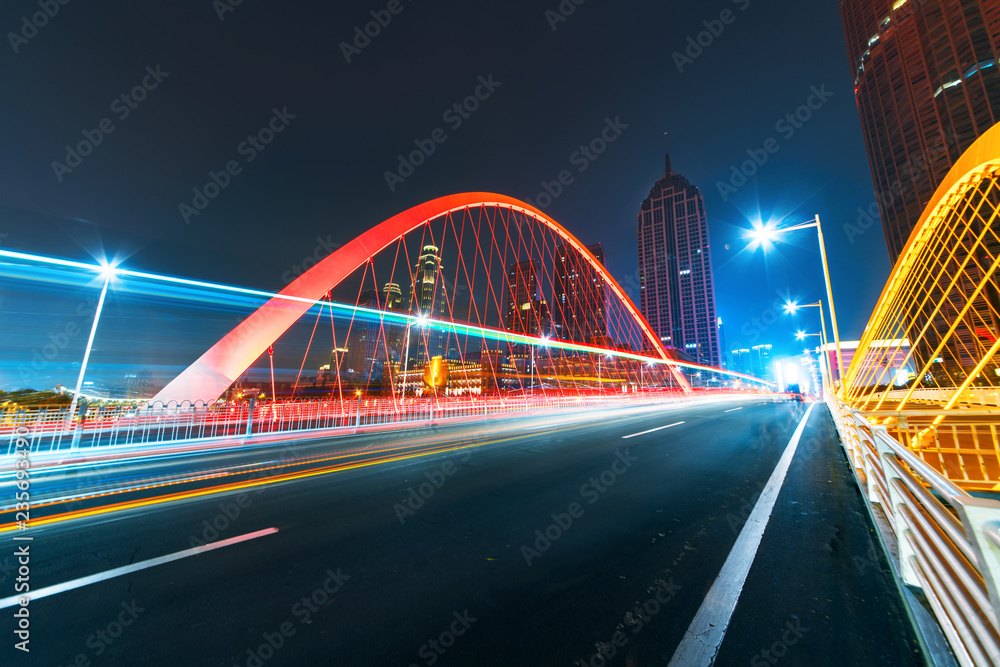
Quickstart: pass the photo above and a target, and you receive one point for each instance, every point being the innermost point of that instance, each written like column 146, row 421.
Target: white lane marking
column 704, row 636
column 624, row 437
column 134, row 567
column 733, row 410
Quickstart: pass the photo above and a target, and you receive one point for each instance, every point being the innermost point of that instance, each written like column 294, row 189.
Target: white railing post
column 893, row 513
column 981, row 519
column 250, row 418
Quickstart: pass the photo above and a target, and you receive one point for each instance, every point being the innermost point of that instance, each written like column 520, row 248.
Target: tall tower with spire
column 676, row 288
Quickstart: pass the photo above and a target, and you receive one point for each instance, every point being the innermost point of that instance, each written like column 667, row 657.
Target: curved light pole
column 764, row 236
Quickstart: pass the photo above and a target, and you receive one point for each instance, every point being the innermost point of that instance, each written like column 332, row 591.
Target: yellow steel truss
column 940, row 311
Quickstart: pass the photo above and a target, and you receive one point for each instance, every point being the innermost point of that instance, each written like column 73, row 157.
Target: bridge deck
column 629, row 505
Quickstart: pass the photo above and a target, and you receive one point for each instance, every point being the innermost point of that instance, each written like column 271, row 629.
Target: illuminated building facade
column 760, row 362
column 526, row 311
column 742, row 362
column 677, row 292
column 471, row 378
column 581, row 297
column 927, row 84
column 427, row 299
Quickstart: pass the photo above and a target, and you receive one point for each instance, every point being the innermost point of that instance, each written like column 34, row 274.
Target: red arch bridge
column 469, row 304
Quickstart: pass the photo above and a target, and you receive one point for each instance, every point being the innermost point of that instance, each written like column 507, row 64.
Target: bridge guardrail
column 941, row 540
column 50, row 430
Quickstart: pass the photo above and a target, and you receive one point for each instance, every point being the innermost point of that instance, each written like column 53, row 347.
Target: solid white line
column 134, row 567
column 733, row 410
column 702, row 640
column 651, row 430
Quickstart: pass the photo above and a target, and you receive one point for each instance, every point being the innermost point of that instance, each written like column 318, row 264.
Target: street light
column 764, row 235
column 792, row 307
column 642, row 374
column 108, row 272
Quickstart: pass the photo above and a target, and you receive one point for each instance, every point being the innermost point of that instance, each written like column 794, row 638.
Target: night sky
column 216, row 74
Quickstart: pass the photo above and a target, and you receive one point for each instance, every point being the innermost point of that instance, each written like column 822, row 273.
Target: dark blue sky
column 323, row 176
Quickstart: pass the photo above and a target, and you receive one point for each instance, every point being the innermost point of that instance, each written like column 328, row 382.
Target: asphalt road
column 534, row 542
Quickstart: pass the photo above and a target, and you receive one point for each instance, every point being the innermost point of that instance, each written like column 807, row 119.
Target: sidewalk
column 820, row 591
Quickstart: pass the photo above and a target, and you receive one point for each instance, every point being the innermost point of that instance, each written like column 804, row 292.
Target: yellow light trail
column 236, row 486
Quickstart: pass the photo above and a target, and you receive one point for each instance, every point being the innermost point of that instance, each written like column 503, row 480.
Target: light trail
column 430, row 448
column 456, row 328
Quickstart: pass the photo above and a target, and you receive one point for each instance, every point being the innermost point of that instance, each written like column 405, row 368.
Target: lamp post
column 270, row 356
column 791, row 307
column 109, row 272
column 802, row 335
column 764, row 235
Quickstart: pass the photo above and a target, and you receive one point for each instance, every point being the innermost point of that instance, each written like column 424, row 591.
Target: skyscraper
column 392, row 297
column 677, row 293
column 526, row 311
column 927, row 84
column 427, row 299
column 742, row 362
column 581, row 296
column 760, row 362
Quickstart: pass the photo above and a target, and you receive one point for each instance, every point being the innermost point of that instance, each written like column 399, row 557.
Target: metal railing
column 50, row 429
column 940, row 539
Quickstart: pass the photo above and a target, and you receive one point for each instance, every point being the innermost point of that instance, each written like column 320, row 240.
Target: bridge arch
column 216, row 370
